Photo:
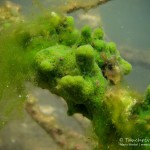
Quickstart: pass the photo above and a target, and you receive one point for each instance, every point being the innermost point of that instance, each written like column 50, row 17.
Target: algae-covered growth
column 80, row 67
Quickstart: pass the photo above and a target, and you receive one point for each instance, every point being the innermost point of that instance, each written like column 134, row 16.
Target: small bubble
column 27, row 96
column 66, row 3
column 53, row 14
column 2, row 123
column 13, row 140
column 20, row 96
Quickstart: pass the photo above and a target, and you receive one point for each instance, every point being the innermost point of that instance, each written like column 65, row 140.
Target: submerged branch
column 63, row 138
column 46, row 122
column 74, row 6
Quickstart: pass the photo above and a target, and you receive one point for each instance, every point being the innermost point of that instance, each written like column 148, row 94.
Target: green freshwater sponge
column 87, row 73
column 83, row 69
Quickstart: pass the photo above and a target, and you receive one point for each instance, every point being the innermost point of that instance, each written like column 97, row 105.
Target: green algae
column 15, row 70
column 77, row 65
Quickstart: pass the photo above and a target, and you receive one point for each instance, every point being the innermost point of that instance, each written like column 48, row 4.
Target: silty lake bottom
column 127, row 24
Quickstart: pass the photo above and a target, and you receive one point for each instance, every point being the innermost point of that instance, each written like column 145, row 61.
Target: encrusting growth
column 87, row 72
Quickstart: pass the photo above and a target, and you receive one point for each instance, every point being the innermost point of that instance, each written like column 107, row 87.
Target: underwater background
column 124, row 22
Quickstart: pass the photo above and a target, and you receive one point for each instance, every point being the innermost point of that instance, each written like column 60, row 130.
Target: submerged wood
column 65, row 139
column 74, row 6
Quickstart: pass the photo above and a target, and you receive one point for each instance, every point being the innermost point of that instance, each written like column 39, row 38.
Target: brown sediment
column 9, row 11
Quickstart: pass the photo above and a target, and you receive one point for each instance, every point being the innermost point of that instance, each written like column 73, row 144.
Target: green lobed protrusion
column 87, row 74
column 86, row 71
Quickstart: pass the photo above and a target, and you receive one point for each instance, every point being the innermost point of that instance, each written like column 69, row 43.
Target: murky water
column 127, row 23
